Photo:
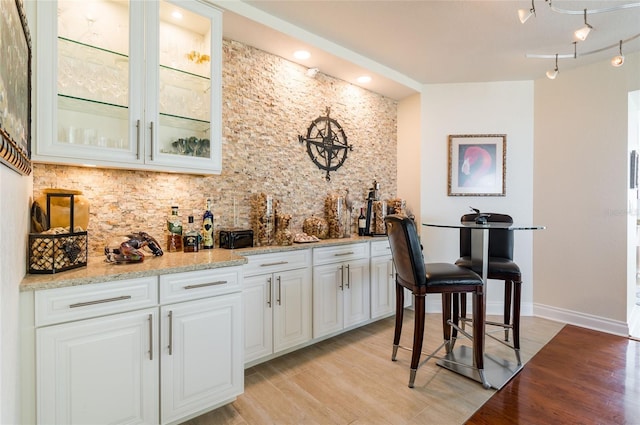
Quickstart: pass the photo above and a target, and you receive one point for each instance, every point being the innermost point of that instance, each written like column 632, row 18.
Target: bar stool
column 431, row 278
column 500, row 267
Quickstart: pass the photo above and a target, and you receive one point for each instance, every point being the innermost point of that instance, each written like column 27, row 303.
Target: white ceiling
column 404, row 44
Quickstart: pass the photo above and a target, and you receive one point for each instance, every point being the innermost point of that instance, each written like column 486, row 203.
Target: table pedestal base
column 497, row 371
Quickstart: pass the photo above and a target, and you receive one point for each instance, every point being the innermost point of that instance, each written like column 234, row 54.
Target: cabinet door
column 357, row 303
column 328, row 308
column 101, row 370
column 183, row 80
column 383, row 300
column 201, row 355
column 291, row 309
column 257, row 299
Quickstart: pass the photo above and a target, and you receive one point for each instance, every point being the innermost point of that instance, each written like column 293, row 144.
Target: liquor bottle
column 362, row 223
column 174, row 227
column 207, row 227
column 191, row 238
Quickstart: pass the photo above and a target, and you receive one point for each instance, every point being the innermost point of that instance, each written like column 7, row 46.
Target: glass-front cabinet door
column 130, row 84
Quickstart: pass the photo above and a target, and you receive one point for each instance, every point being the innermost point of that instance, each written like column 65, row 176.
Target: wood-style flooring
column 580, row 377
column 350, row 379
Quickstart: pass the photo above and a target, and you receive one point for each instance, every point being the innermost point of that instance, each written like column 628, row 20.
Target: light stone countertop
column 98, row 271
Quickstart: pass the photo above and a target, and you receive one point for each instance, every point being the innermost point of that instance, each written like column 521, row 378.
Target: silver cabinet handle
column 269, row 291
column 342, row 278
column 348, row 277
column 106, row 300
column 279, row 300
column 170, row 332
column 150, row 336
column 343, row 253
column 392, row 267
column 274, row 264
column 202, row 285
column 151, row 129
column 138, row 139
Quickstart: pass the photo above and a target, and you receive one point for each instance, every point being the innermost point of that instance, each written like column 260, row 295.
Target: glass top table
column 497, row 371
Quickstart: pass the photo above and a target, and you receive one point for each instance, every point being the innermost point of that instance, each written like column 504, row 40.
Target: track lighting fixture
column 525, row 14
column 582, row 33
column 552, row 74
column 618, row 60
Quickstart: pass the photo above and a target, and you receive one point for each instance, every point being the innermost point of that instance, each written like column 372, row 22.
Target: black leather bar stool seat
column 422, row 279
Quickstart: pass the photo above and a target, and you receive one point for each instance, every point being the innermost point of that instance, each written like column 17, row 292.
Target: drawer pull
column 106, row 300
column 274, row 264
column 343, row 253
column 202, row 285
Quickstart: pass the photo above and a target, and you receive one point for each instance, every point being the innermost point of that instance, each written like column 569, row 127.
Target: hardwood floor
column 580, row 377
column 350, row 379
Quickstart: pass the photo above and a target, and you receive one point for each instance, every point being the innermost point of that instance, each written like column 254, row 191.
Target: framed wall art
column 15, row 88
column 477, row 164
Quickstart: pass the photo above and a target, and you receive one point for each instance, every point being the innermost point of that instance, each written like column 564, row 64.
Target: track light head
column 524, row 14
column 552, row 74
column 582, row 33
column 618, row 60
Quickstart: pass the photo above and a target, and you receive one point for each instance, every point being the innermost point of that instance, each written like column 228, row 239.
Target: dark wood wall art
column 15, row 87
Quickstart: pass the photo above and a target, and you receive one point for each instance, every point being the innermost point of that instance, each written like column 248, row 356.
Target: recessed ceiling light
column 176, row 14
column 364, row 79
column 301, row 54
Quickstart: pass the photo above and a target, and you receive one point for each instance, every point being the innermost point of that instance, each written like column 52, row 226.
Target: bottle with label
column 191, row 238
column 362, row 223
column 174, row 228
column 207, row 227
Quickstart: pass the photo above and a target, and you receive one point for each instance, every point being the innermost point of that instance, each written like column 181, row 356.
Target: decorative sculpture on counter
column 130, row 250
column 326, row 143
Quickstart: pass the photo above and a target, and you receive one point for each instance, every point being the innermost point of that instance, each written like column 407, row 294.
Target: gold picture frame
column 15, row 88
column 477, row 164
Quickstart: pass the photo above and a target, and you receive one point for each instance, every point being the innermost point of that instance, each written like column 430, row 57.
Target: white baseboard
column 584, row 320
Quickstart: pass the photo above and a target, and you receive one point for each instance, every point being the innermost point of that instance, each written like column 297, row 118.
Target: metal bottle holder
column 52, row 253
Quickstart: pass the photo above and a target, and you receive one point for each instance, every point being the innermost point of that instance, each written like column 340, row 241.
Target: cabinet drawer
column 199, row 284
column 277, row 262
column 81, row 302
column 334, row 254
column 381, row 247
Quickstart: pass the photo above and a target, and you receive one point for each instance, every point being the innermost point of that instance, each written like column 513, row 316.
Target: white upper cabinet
column 130, row 84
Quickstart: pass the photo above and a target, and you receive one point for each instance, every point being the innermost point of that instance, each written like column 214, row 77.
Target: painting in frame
column 477, row 164
column 15, row 87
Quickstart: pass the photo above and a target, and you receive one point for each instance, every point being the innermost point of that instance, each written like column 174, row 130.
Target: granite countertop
column 98, row 271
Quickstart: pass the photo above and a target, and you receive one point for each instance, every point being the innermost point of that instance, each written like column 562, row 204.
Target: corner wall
column 479, row 108
column 581, row 191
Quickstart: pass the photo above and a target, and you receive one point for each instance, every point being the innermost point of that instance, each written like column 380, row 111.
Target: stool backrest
column 406, row 251
column 500, row 240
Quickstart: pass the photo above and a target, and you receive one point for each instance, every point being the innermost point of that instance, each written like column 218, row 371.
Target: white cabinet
column 130, row 84
column 277, row 303
column 99, row 369
column 383, row 285
column 340, row 288
column 144, row 350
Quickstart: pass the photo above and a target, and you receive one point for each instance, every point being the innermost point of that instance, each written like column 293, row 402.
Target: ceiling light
column 301, row 54
column 618, row 60
column 312, row 72
column 552, row 74
column 364, row 79
column 176, row 14
column 524, row 14
column 583, row 32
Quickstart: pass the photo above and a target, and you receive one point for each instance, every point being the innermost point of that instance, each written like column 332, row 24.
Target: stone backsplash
column 267, row 102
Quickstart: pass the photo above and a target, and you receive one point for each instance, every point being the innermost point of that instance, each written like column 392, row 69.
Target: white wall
column 15, row 193
column 409, row 169
column 580, row 193
column 478, row 108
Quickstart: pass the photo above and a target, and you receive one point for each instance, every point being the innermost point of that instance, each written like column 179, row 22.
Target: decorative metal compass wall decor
column 326, row 143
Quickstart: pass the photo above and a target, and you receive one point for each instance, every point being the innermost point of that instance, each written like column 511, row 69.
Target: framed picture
column 477, row 164
column 15, row 88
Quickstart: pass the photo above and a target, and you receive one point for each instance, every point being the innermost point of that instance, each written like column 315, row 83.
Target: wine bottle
column 191, row 239
column 174, row 227
column 362, row 223
column 207, row 227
